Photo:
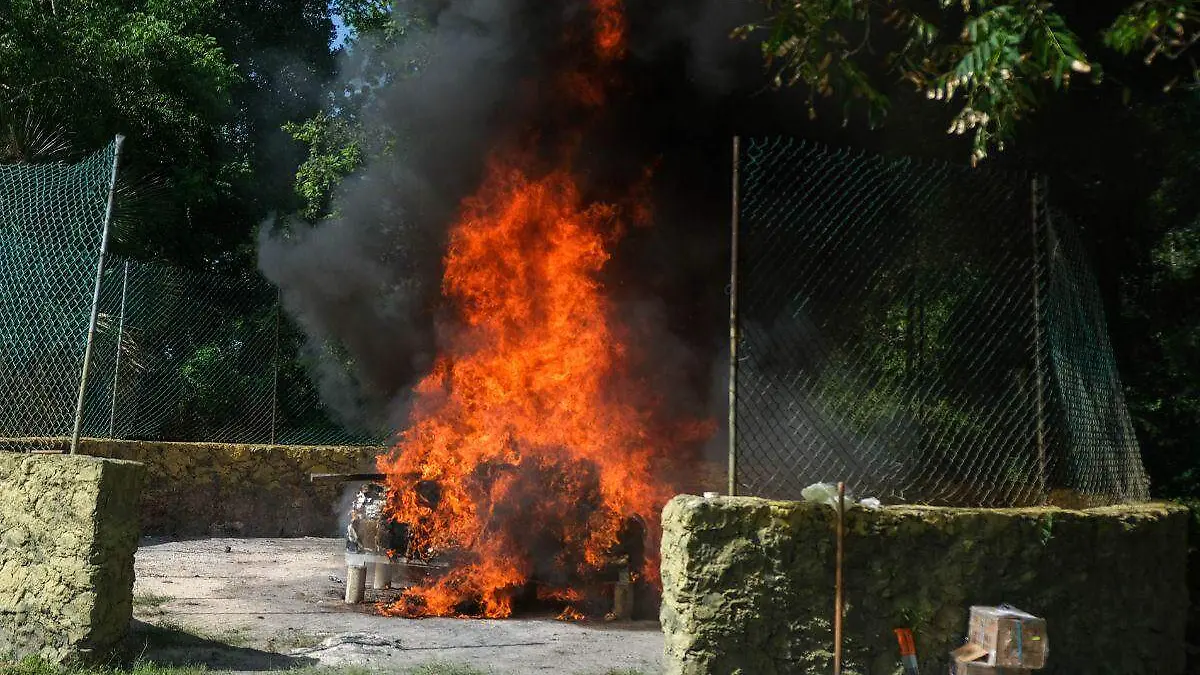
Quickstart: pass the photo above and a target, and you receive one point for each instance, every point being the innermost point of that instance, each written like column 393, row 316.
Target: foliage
column 200, row 88
column 1161, row 309
column 335, row 151
column 384, row 45
column 995, row 61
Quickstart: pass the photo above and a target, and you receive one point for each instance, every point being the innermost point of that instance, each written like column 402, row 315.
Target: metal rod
column 112, row 413
column 91, row 334
column 733, row 317
column 1037, row 197
column 275, row 367
column 838, row 599
column 345, row 477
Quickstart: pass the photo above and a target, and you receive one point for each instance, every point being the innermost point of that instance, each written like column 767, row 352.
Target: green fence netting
column 923, row 332
column 177, row 355
column 51, row 219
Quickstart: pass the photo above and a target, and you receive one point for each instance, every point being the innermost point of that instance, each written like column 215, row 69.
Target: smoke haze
column 365, row 285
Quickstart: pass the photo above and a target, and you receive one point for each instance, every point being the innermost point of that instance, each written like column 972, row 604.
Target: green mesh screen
column 923, row 332
column 177, row 355
column 51, row 220
column 200, row 356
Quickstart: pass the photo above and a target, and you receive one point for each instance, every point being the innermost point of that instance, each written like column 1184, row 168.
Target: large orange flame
column 530, row 448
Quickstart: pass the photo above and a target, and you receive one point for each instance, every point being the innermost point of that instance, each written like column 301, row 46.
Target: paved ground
column 268, row 604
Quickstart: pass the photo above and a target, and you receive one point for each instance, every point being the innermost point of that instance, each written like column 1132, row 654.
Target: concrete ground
column 251, row 605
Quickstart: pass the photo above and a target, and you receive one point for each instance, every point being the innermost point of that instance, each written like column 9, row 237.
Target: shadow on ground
column 170, row 645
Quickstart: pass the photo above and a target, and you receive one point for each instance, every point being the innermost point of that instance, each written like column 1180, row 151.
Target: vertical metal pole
column 838, row 592
column 733, row 318
column 1037, row 198
column 91, row 334
column 112, row 412
column 275, row 367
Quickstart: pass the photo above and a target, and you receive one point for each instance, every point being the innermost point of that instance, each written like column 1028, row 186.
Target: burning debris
column 533, row 461
column 374, row 540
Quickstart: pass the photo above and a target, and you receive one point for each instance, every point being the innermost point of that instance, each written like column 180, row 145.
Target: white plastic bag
column 871, row 503
column 826, row 493
column 821, row 493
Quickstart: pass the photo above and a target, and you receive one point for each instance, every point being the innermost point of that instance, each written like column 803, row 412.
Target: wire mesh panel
column 51, row 221
column 182, row 355
column 177, row 355
column 1097, row 452
column 899, row 330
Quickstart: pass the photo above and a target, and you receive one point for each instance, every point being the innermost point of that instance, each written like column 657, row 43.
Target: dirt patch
column 264, row 604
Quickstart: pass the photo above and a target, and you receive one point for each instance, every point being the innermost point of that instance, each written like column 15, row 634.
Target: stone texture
column 219, row 489
column 748, row 584
column 68, row 534
column 239, row 490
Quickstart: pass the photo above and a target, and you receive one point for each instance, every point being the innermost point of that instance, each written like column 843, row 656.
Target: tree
column 994, row 60
column 201, row 89
column 337, row 139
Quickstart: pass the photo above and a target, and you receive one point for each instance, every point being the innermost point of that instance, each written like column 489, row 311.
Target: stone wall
column 68, row 533
column 217, row 489
column 748, row 584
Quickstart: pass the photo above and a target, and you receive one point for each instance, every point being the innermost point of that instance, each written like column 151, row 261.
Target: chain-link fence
column 923, row 332
column 194, row 356
column 177, row 355
column 51, row 219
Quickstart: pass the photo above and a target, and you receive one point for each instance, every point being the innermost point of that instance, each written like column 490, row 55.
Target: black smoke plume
column 365, row 284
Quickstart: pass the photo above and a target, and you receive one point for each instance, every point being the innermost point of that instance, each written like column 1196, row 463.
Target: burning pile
column 533, row 460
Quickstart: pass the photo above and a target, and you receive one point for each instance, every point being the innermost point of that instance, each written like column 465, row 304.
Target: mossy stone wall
column 218, row 489
column 748, row 584
column 68, row 534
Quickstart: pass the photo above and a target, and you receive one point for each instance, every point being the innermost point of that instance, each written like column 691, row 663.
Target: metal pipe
column 345, row 477
column 1037, row 197
column 382, row 577
column 275, row 367
column 91, row 334
column 112, row 413
column 356, row 583
column 838, row 598
column 733, row 319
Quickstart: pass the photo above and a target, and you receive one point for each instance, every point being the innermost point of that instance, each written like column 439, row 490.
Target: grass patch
column 294, row 639
column 150, row 603
column 150, row 600
column 34, row 666
column 444, row 669
column 173, row 634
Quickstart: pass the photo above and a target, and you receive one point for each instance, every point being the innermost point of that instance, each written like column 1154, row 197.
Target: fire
column 610, row 29
column 531, row 451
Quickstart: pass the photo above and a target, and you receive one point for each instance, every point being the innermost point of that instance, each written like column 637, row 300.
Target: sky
column 341, row 32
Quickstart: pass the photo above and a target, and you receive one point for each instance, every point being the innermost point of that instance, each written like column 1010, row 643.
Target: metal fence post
column 91, row 334
column 1037, row 198
column 733, row 320
column 112, row 413
column 275, row 368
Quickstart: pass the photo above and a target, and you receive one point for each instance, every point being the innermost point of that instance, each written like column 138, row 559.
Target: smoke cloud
column 365, row 284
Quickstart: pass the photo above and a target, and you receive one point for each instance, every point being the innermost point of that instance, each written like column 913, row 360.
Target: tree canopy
column 201, row 88
column 232, row 113
column 993, row 61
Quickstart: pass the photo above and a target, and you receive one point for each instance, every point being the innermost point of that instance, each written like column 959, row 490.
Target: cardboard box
column 976, row 668
column 964, row 661
column 1012, row 638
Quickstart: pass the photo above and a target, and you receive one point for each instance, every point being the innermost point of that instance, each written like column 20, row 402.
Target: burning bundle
column 533, row 460
column 545, row 564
